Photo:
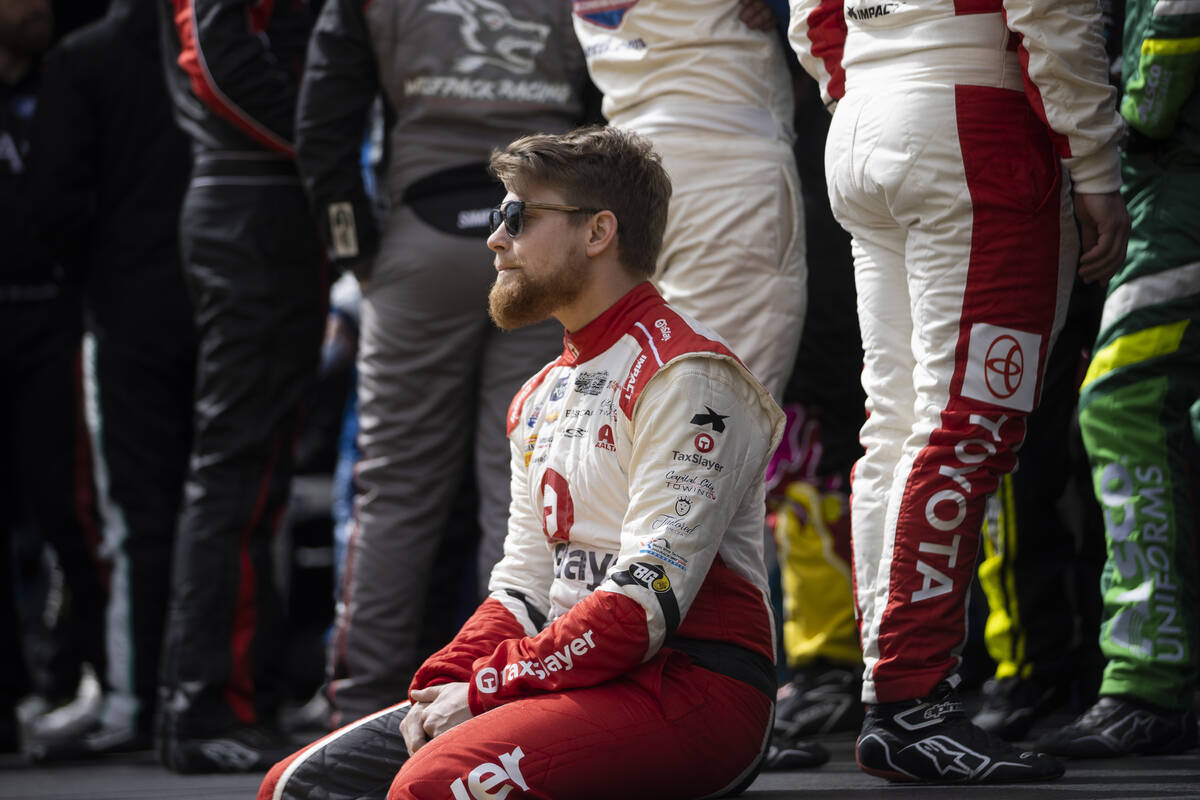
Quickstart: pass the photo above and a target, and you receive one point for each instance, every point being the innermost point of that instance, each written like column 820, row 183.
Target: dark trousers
column 256, row 277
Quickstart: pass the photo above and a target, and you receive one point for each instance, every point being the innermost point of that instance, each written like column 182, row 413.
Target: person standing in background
column 434, row 374
column 714, row 96
column 1139, row 408
column 107, row 180
column 943, row 162
column 259, row 291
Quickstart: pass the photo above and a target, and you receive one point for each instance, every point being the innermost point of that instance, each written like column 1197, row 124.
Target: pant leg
column 52, row 467
column 510, row 358
column 424, row 323
column 356, row 762
column 666, row 730
column 987, row 259
column 1136, row 410
column 733, row 252
column 259, row 291
column 141, row 378
column 1030, row 555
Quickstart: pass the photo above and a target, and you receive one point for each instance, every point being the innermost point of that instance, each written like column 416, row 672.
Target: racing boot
column 1123, row 726
column 931, row 740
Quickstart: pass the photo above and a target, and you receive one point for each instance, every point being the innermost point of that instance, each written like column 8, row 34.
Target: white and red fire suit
column 715, row 98
column 943, row 162
column 627, row 645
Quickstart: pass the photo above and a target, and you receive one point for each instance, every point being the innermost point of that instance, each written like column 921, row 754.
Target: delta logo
column 604, row 13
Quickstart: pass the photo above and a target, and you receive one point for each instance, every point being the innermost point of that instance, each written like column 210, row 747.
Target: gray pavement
column 138, row 776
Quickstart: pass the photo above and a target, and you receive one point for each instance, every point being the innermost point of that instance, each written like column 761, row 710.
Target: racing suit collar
column 602, row 332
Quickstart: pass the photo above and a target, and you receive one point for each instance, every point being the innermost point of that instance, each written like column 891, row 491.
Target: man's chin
column 509, row 309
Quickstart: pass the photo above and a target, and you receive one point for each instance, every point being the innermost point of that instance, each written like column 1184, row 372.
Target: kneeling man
column 626, row 647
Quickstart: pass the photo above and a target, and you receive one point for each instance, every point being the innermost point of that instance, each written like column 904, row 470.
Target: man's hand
column 756, row 15
column 1104, row 229
column 434, row 711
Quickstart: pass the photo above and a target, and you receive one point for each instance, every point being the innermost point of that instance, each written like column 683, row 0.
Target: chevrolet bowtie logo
column 711, row 418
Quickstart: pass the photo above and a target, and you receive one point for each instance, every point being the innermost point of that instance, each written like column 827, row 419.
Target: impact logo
column 492, row 36
column 1001, row 366
column 604, row 13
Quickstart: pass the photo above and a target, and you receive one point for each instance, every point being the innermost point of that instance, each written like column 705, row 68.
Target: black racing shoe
column 1012, row 705
column 824, row 698
column 1123, row 726
column 787, row 755
column 246, row 748
column 931, row 740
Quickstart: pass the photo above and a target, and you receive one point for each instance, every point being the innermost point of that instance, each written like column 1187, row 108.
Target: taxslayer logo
column 487, row 680
column 538, row 668
column 696, row 458
column 490, row 781
column 493, row 36
column 704, row 443
column 1001, row 366
column 581, row 565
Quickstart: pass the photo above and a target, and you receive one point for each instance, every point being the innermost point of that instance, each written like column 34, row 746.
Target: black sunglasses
column 512, row 214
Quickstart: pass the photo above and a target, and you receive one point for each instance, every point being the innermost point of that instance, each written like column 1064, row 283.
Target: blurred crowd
column 253, row 457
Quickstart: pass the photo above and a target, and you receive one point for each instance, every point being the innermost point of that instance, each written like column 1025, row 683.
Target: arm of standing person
column 227, row 58
column 1065, row 70
column 1159, row 84
column 340, row 84
column 658, row 571
column 817, row 32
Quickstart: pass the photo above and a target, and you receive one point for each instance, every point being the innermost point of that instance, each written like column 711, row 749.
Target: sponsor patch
column 660, row 548
column 560, row 388
column 690, row 484
column 532, row 419
column 711, row 417
column 673, row 524
column 650, row 576
column 698, row 459
column 1002, row 366
column 530, row 444
column 604, row 439
column 683, row 506
column 591, row 382
column 704, row 443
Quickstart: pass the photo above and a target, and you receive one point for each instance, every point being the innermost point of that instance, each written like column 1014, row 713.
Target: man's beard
column 523, row 300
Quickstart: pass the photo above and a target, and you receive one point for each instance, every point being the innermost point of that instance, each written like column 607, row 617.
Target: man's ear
column 601, row 233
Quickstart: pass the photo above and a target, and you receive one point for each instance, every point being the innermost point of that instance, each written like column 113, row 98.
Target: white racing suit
column 627, row 645
column 943, row 162
column 715, row 98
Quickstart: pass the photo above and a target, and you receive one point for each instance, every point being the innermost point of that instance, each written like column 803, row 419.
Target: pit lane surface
column 138, row 776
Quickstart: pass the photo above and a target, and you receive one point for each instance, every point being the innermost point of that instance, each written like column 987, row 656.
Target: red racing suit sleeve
column 1065, row 70
column 658, row 571
column 228, row 60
